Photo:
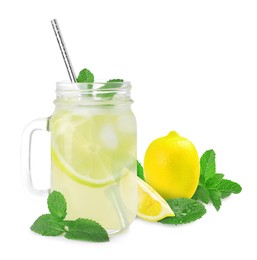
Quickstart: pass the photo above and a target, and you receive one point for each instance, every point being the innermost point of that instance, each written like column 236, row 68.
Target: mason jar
column 93, row 152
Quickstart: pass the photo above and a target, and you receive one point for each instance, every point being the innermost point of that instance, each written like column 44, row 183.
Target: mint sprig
column 54, row 224
column 86, row 76
column 212, row 187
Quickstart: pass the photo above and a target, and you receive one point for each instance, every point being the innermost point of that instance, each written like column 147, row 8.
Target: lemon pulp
column 151, row 206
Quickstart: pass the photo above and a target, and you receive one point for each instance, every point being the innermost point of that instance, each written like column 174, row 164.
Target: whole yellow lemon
column 172, row 166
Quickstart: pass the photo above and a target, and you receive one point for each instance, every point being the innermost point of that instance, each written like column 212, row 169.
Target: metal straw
column 64, row 52
column 115, row 197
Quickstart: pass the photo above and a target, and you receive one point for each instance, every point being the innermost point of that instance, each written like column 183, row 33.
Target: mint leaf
column 185, row 210
column 140, row 171
column 208, row 166
column 214, row 181
column 115, row 80
column 110, row 84
column 86, row 76
column 48, row 225
column 57, row 205
column 87, row 230
column 202, row 194
column 227, row 187
column 209, row 191
column 215, row 197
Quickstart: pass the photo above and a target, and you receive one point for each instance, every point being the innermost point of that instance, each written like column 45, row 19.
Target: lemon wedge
column 151, row 206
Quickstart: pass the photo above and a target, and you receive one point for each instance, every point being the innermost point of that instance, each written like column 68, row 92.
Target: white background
column 193, row 68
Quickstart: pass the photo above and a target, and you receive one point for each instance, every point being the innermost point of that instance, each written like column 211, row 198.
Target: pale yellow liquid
column 94, row 164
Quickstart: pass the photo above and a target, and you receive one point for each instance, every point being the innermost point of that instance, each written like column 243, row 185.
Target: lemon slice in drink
column 151, row 206
column 101, row 177
column 78, row 152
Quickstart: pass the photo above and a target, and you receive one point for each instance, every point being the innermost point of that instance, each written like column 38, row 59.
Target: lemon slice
column 87, row 179
column 151, row 206
column 79, row 150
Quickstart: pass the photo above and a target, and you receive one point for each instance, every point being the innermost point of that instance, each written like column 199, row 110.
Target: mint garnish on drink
column 85, row 75
column 54, row 224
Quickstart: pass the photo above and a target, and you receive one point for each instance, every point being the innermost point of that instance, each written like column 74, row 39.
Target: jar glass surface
column 93, row 150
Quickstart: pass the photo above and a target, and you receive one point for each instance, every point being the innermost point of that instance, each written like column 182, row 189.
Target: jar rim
column 91, row 86
column 93, row 93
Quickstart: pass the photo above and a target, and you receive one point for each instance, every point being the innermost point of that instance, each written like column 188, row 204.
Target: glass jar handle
column 35, row 125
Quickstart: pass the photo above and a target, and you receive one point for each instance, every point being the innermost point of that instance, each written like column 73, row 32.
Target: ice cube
column 109, row 137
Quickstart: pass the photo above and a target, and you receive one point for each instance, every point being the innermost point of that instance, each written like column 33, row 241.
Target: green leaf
column 57, row 205
column 215, row 197
column 202, row 194
column 48, row 225
column 140, row 171
column 208, row 166
column 87, row 230
column 227, row 187
column 212, row 187
column 115, row 80
column 185, row 210
column 86, row 76
column 214, row 181
column 111, row 84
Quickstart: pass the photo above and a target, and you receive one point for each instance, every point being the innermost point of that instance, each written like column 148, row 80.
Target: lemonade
column 93, row 151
